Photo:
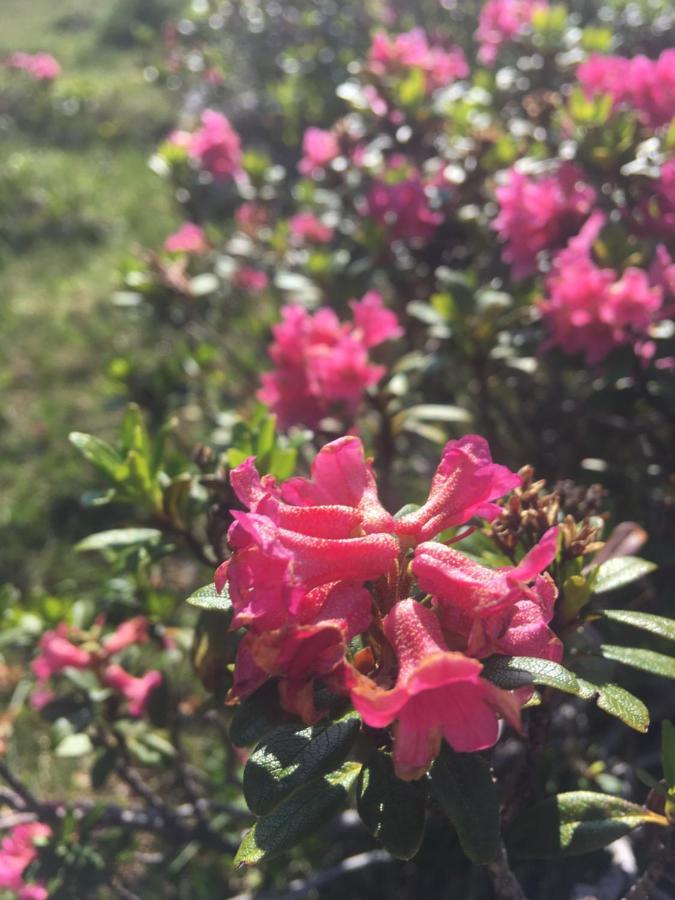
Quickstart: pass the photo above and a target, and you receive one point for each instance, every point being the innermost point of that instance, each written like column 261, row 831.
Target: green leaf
column 660, row 625
column 100, row 454
column 104, row 766
column 668, row 752
column 512, row 672
column 620, row 571
column 288, row 758
column 257, row 715
column 74, row 745
column 392, row 810
column 298, row 817
column 117, row 538
column 208, row 597
column 646, row 660
column 573, row 823
column 463, row 786
column 616, row 701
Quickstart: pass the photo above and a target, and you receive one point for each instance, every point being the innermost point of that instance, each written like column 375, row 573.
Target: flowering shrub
column 40, row 66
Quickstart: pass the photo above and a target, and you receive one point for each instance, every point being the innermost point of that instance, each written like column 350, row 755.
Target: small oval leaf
column 660, row 625
column 118, row 538
column 288, row 758
column 462, row 785
column 256, row 716
column 392, row 810
column 510, row 672
column 208, row 597
column 573, row 823
column 645, row 660
column 622, row 570
column 298, row 817
column 616, row 701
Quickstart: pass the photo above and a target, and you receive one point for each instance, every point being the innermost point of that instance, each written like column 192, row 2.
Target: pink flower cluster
column 322, row 366
column 591, row 310
column 538, row 214
column 215, row 146
column 17, row 852
column 305, row 227
column 639, row 83
column 189, row 238
column 319, row 149
column 40, row 66
column 399, row 204
column 318, row 561
column 501, row 21
column 58, row 652
column 396, row 54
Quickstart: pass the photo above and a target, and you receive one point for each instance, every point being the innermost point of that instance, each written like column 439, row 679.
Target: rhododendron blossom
column 189, row 238
column 323, row 365
column 539, row 213
column 318, row 561
column 391, row 54
column 249, row 279
column 215, row 145
column 306, row 227
column 58, row 653
column 399, row 204
column 591, row 310
column 639, row 83
column 40, row 66
column 500, row 22
column 136, row 691
column 17, row 852
column 319, row 148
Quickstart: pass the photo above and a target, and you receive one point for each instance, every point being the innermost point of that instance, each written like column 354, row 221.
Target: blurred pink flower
column 306, row 227
column 321, row 364
column 136, row 691
column 40, row 66
column 319, row 148
column 17, row 852
column 249, row 279
column 397, row 53
column 399, row 204
column 133, row 631
column 216, row 146
column 539, row 214
column 501, row 21
column 189, row 238
column 58, row 653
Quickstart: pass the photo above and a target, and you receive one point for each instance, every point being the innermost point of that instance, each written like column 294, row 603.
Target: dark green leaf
column 117, row 538
column 463, row 786
column 660, row 625
column 616, row 701
column 298, row 817
column 617, row 572
column 512, row 672
column 288, row 758
column 257, row 715
column 646, row 660
column 392, row 810
column 573, row 823
column 208, row 597
column 668, row 752
column 104, row 765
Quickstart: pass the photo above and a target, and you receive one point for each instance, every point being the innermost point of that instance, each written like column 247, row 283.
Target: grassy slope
column 54, row 321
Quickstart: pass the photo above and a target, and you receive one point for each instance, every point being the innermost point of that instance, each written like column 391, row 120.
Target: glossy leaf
column 573, row 823
column 100, row 454
column 74, row 745
column 660, row 625
column 616, row 701
column 290, row 757
column 512, row 672
column 256, row 716
column 462, row 785
column 668, row 752
column 208, row 597
column 118, row 538
column 298, row 817
column 620, row 571
column 646, row 660
column 392, row 810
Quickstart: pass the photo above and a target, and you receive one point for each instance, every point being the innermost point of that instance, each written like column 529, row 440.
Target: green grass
column 56, row 324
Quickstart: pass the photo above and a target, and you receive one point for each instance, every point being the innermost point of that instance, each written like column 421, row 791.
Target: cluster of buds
column 334, row 591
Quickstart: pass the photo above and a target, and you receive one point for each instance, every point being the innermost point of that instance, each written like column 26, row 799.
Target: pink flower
column 662, row 272
column 189, row 238
column 401, row 52
column 249, row 279
column 58, row 653
column 655, row 213
column 216, row 146
column 133, row 631
column 322, row 365
column 251, row 217
column 136, row 691
column 17, row 852
column 438, row 695
column 591, row 310
column 639, row 83
column 40, row 66
column 399, row 204
column 319, row 148
column 495, row 610
column 306, row 227
column 501, row 21
column 539, row 214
